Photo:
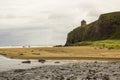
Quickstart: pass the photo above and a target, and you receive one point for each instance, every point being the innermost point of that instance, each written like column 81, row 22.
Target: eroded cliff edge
column 106, row 27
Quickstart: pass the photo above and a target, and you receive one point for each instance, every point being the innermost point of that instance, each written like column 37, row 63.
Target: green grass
column 110, row 44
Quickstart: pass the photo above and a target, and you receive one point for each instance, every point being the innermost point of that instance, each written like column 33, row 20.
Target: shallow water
column 9, row 64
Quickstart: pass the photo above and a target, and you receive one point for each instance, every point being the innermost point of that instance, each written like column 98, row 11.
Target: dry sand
column 61, row 53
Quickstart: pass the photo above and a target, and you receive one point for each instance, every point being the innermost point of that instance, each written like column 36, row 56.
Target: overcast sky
column 47, row 22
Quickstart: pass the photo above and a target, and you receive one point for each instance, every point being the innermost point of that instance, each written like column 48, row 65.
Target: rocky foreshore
column 85, row 70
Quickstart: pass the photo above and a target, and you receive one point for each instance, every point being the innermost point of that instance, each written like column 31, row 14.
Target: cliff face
column 106, row 27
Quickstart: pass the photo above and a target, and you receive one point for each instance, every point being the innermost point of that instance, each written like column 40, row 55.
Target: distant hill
column 106, row 27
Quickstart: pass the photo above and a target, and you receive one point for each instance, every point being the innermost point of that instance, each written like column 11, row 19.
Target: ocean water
column 22, row 46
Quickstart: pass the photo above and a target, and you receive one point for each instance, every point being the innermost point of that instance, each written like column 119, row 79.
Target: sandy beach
column 98, row 65
column 61, row 53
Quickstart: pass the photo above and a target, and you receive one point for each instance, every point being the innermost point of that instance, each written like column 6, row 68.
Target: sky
column 47, row 22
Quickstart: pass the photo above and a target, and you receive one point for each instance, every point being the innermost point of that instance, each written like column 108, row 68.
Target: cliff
column 106, row 27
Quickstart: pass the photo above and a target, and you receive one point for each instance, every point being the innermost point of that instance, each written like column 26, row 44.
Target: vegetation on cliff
column 106, row 27
column 101, row 44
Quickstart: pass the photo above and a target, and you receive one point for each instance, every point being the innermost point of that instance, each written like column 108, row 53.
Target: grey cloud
column 30, row 36
column 8, row 38
column 13, row 16
column 10, row 16
column 47, row 21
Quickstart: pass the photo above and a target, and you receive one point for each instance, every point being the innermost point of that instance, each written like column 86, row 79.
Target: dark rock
column 26, row 62
column 57, row 62
column 19, row 70
column 60, row 77
column 72, row 78
column 42, row 60
column 4, row 54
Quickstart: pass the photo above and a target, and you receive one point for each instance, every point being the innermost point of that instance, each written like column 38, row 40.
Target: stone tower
column 83, row 23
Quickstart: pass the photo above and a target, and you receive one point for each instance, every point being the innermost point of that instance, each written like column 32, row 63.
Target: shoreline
column 72, row 71
column 62, row 70
column 7, row 64
column 69, row 58
column 74, row 58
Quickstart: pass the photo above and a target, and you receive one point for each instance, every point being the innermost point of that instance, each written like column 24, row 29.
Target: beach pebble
column 73, row 71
